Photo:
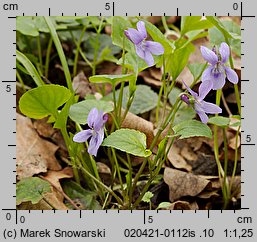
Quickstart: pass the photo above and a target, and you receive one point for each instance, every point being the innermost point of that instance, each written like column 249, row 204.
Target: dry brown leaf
column 34, row 154
column 177, row 160
column 103, row 168
column 183, row 205
column 234, row 142
column 133, row 121
column 46, row 130
column 54, row 176
column 81, row 85
column 56, row 197
column 183, row 183
column 208, row 194
column 149, row 79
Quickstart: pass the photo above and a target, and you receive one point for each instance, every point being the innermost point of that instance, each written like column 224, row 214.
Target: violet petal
column 209, row 55
column 149, row 58
column 207, row 74
column 154, row 47
column 95, row 142
column 99, row 122
column 224, row 52
column 82, row 136
column 218, row 81
column 92, row 117
column 203, row 116
column 133, row 35
column 231, row 75
column 141, row 29
column 210, row 107
column 194, row 94
column 204, row 89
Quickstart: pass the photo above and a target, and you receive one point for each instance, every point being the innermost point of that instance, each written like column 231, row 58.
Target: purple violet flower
column 144, row 48
column 198, row 104
column 95, row 120
column 217, row 71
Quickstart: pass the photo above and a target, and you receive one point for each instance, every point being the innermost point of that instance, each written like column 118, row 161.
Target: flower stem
column 236, row 158
column 103, row 186
column 39, row 53
column 225, row 183
column 77, row 50
column 48, row 53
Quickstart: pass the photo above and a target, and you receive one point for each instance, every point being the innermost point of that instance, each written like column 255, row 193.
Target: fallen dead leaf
column 183, row 205
column 133, row 121
column 183, row 183
column 55, row 198
column 149, row 79
column 46, row 130
column 81, row 85
column 34, row 154
column 177, row 160
column 54, row 176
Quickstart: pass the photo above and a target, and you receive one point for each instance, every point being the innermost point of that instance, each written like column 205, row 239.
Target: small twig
column 62, row 192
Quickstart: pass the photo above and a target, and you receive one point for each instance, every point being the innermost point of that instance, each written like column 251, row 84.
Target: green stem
column 21, row 81
column 236, row 158
column 225, row 184
column 77, row 50
column 103, row 186
column 130, row 181
column 39, row 53
column 117, row 168
column 155, row 140
column 60, row 51
column 48, row 53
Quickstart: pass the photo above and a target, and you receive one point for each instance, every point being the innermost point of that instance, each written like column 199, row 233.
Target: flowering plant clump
column 96, row 120
column 217, row 71
column 144, row 48
column 160, row 92
column 199, row 105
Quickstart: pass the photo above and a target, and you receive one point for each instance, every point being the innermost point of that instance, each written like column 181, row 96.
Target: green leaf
column 128, row 140
column 173, row 95
column 103, row 45
column 79, row 111
column 216, row 37
column 147, row 197
column 83, row 198
column 184, row 113
column 60, row 51
column 189, row 23
column 164, row 205
column 134, row 62
column 30, row 68
column 192, row 128
column 26, row 26
column 158, row 36
column 145, row 99
column 219, row 121
column 119, row 24
column 31, row 189
column 196, row 69
column 112, row 79
column 178, row 60
column 43, row 101
column 61, row 120
column 216, row 22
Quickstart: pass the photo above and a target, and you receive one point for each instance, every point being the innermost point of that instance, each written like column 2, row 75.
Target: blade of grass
column 30, row 68
column 59, row 49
